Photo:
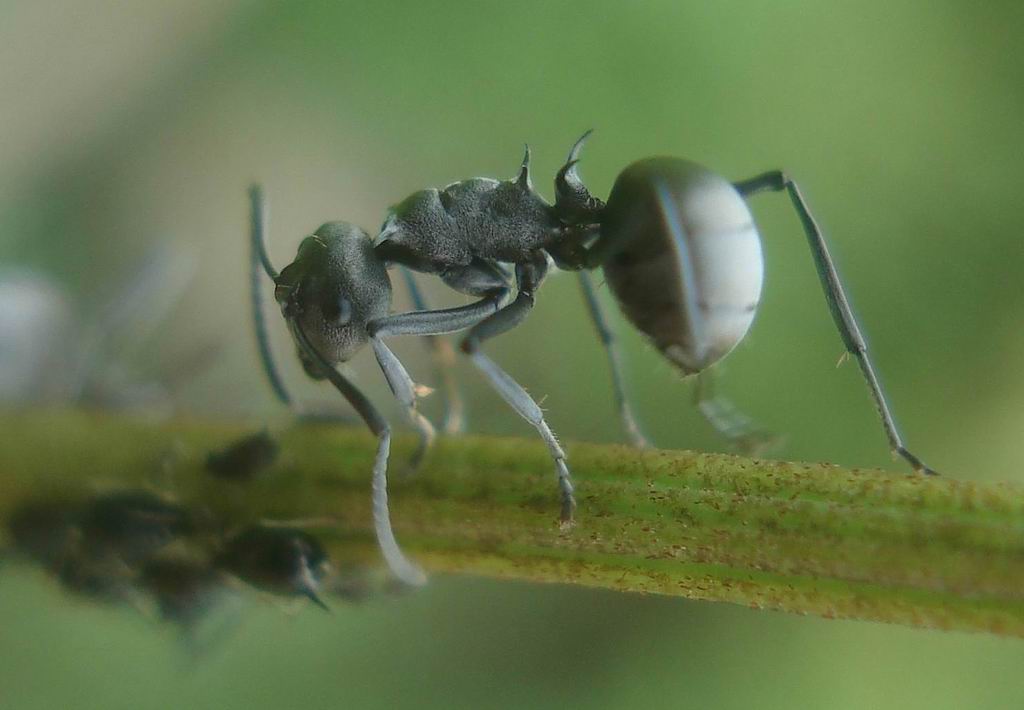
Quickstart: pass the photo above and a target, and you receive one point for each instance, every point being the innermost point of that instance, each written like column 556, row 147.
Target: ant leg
column 478, row 279
column 839, row 305
column 444, row 359
column 597, row 315
column 423, row 323
column 258, row 258
column 404, row 390
column 733, row 425
column 529, row 277
column 439, row 322
column 400, row 565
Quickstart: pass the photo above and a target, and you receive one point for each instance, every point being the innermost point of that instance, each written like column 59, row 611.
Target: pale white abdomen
column 683, row 259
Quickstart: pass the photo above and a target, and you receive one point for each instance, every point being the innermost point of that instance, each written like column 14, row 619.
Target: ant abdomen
column 683, row 258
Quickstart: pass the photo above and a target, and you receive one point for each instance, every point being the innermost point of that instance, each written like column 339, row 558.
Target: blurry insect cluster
column 135, row 547
column 52, row 351
column 144, row 550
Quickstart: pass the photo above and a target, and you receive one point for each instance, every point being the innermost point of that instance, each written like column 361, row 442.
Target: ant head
column 335, row 286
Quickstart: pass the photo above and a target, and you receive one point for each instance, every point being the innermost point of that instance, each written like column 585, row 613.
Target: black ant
column 676, row 242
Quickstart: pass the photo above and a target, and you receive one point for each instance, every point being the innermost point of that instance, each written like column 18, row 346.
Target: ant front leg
column 404, row 390
column 400, row 565
column 444, row 360
column 423, row 323
column 528, row 278
column 838, row 304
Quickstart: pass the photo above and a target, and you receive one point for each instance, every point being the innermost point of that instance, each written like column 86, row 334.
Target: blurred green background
column 124, row 125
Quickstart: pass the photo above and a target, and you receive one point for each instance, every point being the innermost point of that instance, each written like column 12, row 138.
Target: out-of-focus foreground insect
column 175, row 562
column 244, row 459
column 53, row 351
column 281, row 560
column 676, row 242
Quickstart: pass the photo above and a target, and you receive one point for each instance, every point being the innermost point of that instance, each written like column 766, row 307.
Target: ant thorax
column 475, row 219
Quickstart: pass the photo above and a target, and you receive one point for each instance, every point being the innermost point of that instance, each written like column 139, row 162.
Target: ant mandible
column 676, row 242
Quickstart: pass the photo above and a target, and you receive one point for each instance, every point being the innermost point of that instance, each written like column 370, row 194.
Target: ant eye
column 342, row 312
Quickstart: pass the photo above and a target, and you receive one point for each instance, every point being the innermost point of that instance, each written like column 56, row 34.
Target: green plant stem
column 804, row 538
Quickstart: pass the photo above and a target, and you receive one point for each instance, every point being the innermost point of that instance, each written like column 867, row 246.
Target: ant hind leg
column 736, row 427
column 838, row 304
column 611, row 348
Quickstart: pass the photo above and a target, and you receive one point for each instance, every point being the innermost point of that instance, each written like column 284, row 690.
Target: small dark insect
column 99, row 577
column 94, row 548
column 676, row 242
column 282, row 561
column 244, row 459
column 132, row 525
column 42, row 530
